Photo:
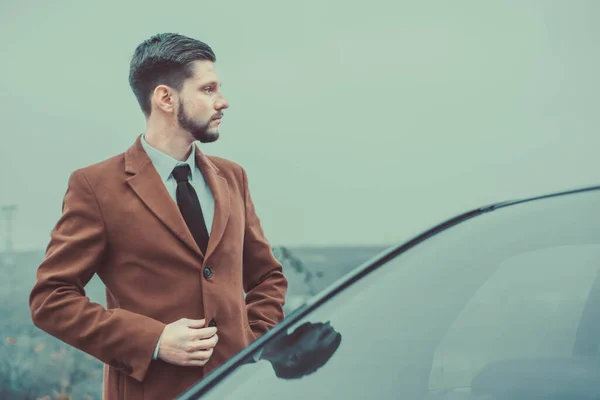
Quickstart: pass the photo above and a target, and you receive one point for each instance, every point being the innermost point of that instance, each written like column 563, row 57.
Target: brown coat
column 120, row 222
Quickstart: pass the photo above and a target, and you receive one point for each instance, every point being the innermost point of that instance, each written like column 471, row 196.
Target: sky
column 358, row 122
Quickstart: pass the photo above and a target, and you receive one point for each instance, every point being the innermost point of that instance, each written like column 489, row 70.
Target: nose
column 222, row 104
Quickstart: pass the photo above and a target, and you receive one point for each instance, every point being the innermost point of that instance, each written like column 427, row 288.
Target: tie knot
column 181, row 173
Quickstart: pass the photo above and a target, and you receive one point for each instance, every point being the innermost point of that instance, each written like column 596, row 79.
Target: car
column 501, row 302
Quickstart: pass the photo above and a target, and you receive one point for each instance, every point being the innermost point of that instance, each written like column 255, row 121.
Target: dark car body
column 502, row 302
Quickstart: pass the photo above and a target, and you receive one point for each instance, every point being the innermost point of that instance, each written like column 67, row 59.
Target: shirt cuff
column 155, row 356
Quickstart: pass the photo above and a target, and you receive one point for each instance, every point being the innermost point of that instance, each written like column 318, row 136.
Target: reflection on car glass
column 302, row 352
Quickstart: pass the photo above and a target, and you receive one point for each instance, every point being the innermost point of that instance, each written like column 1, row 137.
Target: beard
column 200, row 131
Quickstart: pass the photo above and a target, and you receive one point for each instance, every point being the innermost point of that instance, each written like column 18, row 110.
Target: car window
column 454, row 316
column 529, row 309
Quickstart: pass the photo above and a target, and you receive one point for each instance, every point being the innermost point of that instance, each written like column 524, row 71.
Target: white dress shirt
column 164, row 165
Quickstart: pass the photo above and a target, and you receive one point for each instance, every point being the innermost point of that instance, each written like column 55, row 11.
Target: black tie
column 189, row 205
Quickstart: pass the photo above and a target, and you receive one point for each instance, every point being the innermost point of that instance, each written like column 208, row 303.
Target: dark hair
column 164, row 59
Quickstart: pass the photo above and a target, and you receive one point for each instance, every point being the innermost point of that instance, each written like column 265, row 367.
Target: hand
column 187, row 343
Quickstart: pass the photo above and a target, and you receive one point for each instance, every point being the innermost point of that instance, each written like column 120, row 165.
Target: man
column 171, row 232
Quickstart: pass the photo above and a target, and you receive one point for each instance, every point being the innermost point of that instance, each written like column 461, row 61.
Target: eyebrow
column 210, row 83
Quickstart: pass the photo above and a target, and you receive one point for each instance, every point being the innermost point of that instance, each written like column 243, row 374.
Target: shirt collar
column 164, row 163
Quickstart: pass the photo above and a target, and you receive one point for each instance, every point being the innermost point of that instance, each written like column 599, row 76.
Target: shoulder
column 233, row 172
column 103, row 172
column 224, row 164
column 228, row 167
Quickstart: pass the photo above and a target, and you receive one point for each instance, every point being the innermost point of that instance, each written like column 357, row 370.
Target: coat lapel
column 220, row 191
column 148, row 186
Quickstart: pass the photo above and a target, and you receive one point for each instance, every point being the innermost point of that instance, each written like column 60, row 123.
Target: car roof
column 356, row 274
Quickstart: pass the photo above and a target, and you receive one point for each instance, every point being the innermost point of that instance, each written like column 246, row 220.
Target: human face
column 201, row 103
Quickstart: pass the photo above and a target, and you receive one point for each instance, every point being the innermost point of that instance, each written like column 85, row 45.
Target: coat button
column 207, row 273
column 212, row 323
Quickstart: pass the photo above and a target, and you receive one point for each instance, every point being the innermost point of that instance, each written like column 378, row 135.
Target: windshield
column 503, row 304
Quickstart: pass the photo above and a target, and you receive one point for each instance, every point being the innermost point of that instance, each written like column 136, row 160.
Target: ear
column 164, row 98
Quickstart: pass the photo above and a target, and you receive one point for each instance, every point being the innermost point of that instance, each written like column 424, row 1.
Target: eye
column 208, row 89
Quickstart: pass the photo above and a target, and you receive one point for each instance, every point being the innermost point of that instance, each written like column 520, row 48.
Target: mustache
column 217, row 116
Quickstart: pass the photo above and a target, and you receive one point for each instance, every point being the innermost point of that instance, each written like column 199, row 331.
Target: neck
column 169, row 139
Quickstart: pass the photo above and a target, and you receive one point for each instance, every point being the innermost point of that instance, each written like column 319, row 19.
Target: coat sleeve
column 77, row 249
column 264, row 282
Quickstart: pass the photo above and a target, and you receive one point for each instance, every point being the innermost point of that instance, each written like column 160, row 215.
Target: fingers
column 199, row 358
column 192, row 343
column 194, row 323
column 195, row 363
column 203, row 333
column 203, row 344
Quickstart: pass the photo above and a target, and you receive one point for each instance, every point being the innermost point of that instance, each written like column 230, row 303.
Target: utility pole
column 8, row 214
